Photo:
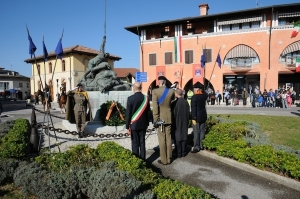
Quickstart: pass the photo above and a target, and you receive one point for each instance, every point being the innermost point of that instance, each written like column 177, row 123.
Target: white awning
column 240, row 20
column 241, row 51
column 291, row 48
column 289, row 14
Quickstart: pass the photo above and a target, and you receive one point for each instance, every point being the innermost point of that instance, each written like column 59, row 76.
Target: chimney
column 203, row 9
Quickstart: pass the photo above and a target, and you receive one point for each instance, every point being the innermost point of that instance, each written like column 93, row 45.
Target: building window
column 189, row 25
column 152, row 59
column 226, row 28
column 246, row 25
column 235, row 26
column 290, row 58
column 20, row 84
column 168, row 58
column 188, row 56
column 27, row 85
column 63, row 65
column 255, row 24
column 50, row 67
column 167, row 28
column 207, row 53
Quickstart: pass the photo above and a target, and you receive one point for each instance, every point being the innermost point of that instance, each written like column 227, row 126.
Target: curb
column 245, row 167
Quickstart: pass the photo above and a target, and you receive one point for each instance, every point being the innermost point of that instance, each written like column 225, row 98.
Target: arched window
column 63, row 65
column 290, row 54
column 50, row 67
column 241, row 57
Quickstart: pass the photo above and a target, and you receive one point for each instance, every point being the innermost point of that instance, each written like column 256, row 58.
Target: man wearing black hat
column 199, row 116
column 78, row 101
column 162, row 98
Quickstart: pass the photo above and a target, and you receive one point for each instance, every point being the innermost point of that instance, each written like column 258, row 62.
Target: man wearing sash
column 137, row 120
column 161, row 102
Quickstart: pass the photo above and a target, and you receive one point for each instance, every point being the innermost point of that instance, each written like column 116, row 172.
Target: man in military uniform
column 79, row 98
column 199, row 116
column 161, row 102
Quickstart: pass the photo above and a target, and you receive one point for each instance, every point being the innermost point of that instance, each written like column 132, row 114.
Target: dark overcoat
column 198, row 107
column 181, row 114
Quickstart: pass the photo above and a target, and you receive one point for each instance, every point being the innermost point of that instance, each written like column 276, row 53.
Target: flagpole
column 56, row 57
column 44, row 66
column 34, row 58
column 212, row 71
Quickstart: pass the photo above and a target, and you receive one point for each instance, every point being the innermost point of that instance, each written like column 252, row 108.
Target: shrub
column 15, row 144
column 114, row 119
column 111, row 183
column 5, row 127
column 45, row 184
column 7, row 169
column 79, row 156
column 168, row 188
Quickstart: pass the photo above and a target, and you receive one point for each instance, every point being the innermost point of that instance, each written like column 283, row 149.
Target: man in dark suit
column 137, row 120
column 199, row 116
column 181, row 114
column 161, row 102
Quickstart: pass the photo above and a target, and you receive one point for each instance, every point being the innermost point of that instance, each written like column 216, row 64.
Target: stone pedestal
column 97, row 98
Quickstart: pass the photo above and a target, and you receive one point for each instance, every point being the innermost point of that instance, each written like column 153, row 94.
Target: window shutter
column 208, row 55
column 191, row 57
column 168, row 58
column 152, row 59
column 186, row 55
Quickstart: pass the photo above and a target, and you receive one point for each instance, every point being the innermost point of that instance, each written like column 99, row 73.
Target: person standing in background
column 250, row 92
column 199, row 116
column 245, row 96
column 137, row 121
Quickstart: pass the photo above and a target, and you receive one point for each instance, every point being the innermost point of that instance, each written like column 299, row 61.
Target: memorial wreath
column 112, row 113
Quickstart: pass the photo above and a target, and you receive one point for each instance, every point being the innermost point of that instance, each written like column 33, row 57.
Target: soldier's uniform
column 80, row 108
column 163, row 112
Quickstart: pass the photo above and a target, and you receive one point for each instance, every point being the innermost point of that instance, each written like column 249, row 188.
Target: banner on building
column 160, row 71
column 198, row 74
column 177, row 74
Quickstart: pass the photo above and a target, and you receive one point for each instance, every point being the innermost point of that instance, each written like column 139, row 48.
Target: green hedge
column 15, row 144
column 228, row 140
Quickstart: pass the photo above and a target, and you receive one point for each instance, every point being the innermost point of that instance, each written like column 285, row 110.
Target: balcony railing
column 226, row 32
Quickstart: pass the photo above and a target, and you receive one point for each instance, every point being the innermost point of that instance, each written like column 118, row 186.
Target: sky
column 83, row 24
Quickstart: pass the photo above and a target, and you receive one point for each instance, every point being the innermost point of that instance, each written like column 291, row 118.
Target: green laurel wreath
column 114, row 119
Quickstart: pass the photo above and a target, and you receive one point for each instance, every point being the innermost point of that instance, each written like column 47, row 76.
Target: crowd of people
column 280, row 98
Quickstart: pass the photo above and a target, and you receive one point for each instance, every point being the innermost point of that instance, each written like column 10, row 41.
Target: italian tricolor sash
column 140, row 110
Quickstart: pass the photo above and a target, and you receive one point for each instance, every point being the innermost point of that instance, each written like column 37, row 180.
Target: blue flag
column 203, row 60
column 59, row 50
column 45, row 52
column 219, row 61
column 32, row 47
